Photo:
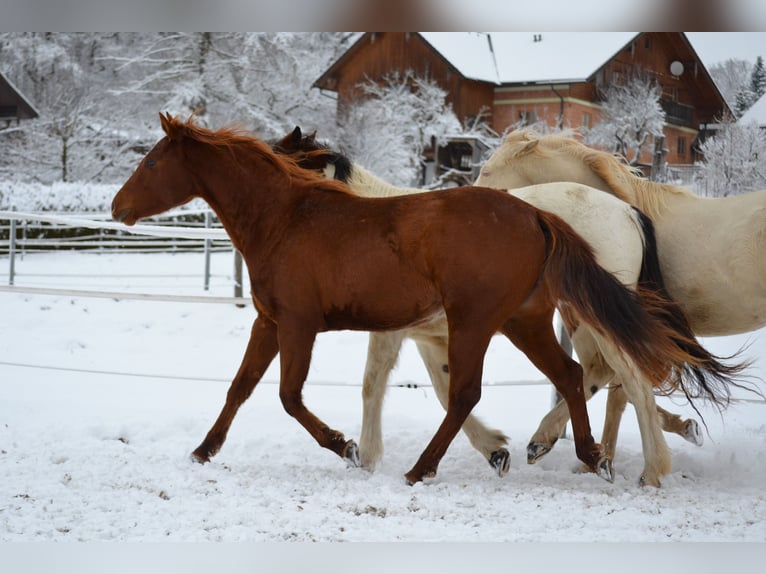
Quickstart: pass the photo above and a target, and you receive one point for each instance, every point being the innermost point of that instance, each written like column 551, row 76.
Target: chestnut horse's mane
column 235, row 136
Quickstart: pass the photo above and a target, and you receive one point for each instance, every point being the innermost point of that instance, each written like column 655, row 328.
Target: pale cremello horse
column 711, row 253
column 615, row 230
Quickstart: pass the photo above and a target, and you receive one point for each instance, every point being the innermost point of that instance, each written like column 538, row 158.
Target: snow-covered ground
column 95, row 434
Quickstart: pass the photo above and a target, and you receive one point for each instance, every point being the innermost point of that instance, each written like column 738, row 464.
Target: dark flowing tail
column 712, row 372
column 646, row 324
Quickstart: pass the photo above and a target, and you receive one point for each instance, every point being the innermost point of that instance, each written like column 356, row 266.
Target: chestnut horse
column 710, row 249
column 321, row 259
column 624, row 244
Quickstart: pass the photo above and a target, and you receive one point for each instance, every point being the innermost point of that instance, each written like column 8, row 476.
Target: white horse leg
column 688, row 429
column 615, row 406
column 490, row 443
column 382, row 353
column 639, row 392
column 596, row 375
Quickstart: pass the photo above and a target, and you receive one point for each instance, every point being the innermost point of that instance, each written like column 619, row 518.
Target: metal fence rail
column 182, row 231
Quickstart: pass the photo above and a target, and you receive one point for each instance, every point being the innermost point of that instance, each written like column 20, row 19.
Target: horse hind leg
column 490, row 443
column 688, row 429
column 382, row 352
column 535, row 337
column 596, row 375
column 631, row 385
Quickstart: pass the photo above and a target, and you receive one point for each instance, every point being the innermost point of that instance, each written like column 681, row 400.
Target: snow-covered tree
column 393, row 121
column 752, row 92
column 731, row 76
column 631, row 116
column 99, row 93
column 735, row 160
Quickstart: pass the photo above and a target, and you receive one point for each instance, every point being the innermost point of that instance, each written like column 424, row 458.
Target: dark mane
column 312, row 154
column 233, row 137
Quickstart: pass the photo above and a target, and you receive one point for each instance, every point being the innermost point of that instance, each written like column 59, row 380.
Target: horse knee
column 292, row 402
column 464, row 398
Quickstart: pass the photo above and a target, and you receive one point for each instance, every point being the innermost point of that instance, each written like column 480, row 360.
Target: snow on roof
column 515, row 57
column 756, row 113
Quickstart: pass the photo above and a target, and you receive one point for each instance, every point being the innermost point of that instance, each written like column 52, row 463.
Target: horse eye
column 150, row 163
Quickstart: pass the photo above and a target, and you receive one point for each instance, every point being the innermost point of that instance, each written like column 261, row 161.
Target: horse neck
column 245, row 191
column 364, row 183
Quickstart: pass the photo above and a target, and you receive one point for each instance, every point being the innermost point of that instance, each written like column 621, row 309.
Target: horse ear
column 312, row 136
column 166, row 121
column 296, row 135
column 529, row 147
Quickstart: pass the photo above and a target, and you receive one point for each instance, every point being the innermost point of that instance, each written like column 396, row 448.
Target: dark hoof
column 692, row 433
column 536, row 451
column 351, row 454
column 606, row 469
column 500, row 460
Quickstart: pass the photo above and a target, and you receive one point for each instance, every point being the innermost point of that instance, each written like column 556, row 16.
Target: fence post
column 12, row 251
column 566, row 344
column 237, row 274
column 208, row 224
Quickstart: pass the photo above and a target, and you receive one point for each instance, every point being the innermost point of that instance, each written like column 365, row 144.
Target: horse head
column 310, row 154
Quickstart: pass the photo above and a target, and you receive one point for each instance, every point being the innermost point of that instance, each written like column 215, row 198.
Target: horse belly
column 381, row 300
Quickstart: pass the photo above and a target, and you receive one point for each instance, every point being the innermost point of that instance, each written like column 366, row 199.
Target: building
column 13, row 105
column 518, row 78
column 755, row 113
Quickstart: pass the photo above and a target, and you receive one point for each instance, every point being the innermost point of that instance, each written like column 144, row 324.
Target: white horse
column 711, row 251
column 614, row 229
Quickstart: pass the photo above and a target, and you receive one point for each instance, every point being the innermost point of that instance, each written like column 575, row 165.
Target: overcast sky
column 715, row 47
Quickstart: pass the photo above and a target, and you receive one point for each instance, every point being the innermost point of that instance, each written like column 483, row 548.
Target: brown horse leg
column 596, row 374
column 535, row 337
column 295, row 344
column 688, row 429
column 490, row 443
column 261, row 350
column 466, row 355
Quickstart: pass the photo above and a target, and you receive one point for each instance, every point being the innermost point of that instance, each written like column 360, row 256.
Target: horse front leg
column 490, row 443
column 466, row 355
column 633, row 386
column 295, row 344
column 261, row 350
column 382, row 352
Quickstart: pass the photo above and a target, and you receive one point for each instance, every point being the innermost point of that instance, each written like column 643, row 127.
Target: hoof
column 351, row 454
column 645, row 481
column 692, row 433
column 536, row 451
column 606, row 469
column 500, row 460
column 199, row 458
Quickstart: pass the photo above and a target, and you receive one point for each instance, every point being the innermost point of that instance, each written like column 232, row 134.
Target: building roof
column 13, row 104
column 756, row 113
column 524, row 57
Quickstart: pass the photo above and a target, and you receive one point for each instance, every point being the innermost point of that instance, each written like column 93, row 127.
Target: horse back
column 388, row 263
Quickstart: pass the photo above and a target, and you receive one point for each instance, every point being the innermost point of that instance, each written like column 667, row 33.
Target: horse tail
column 646, row 324
column 651, row 279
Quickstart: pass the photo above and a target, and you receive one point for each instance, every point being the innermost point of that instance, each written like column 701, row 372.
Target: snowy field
column 101, row 402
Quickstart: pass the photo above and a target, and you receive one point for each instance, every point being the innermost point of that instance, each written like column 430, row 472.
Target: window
column 586, row 119
column 681, row 147
column 527, row 118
